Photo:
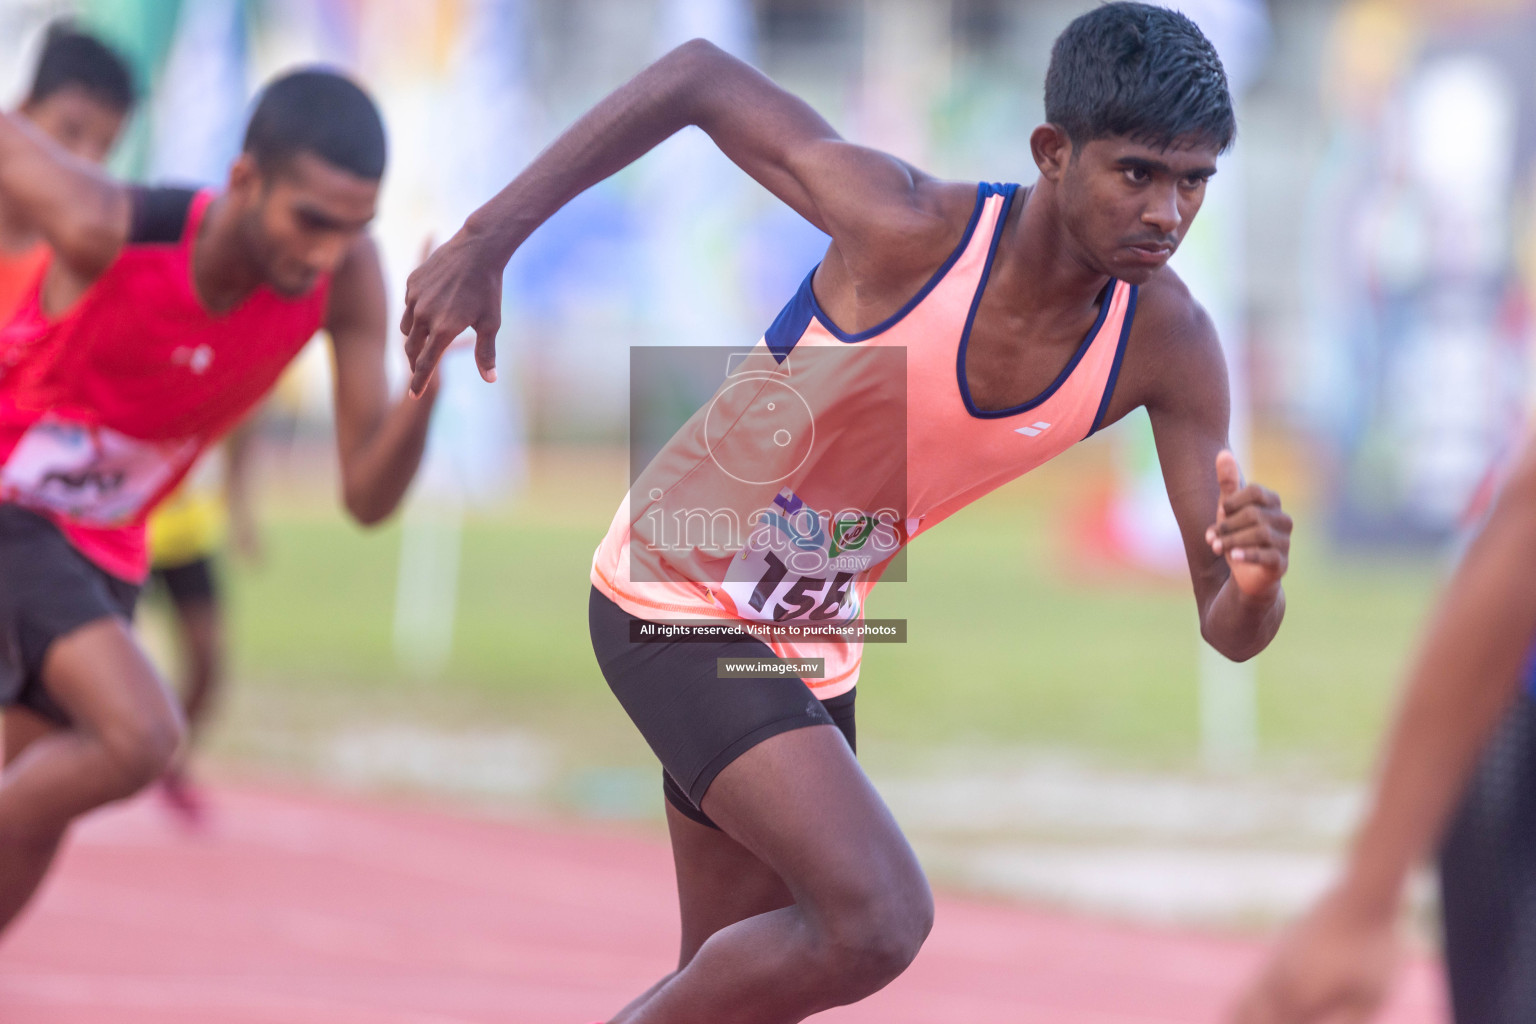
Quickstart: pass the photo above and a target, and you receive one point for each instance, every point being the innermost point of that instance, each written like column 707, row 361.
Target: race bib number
column 92, row 476
column 803, row 565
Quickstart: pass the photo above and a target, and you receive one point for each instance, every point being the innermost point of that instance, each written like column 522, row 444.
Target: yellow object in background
column 192, row 523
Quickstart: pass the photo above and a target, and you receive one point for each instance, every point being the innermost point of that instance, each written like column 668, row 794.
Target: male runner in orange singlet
column 953, row 337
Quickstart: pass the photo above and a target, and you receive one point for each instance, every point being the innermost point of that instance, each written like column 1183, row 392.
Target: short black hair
column 317, row 111
column 74, row 58
column 1144, row 72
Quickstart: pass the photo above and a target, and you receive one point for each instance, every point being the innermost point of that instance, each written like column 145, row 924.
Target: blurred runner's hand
column 457, row 288
column 1334, row 966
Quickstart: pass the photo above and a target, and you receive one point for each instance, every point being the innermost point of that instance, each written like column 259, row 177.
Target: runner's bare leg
column 719, row 882
column 125, row 730
column 800, row 805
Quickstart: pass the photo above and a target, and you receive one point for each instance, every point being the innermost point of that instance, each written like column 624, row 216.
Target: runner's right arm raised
column 84, row 215
column 885, row 216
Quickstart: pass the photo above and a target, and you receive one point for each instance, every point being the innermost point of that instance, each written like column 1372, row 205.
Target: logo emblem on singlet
column 1034, row 429
column 195, row 359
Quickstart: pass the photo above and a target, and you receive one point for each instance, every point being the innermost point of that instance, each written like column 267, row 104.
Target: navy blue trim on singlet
column 788, row 327
column 1106, row 297
column 1114, row 367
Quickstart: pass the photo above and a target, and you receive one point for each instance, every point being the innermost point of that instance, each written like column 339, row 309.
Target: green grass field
column 1007, row 647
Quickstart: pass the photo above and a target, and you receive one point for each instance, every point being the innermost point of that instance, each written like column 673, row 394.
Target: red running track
column 306, row 909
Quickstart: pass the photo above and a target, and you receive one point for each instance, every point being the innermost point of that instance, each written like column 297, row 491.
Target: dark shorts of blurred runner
column 191, row 584
column 1488, row 881
column 48, row 589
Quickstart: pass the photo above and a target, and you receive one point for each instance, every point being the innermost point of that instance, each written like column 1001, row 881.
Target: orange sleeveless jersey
column 807, row 431
column 19, row 274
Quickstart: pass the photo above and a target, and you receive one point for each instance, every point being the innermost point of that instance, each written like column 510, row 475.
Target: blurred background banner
column 1417, row 266
column 1366, row 251
column 196, row 111
column 1370, row 281
column 1138, row 525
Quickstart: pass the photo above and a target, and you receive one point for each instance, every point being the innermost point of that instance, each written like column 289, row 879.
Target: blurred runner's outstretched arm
column 83, row 215
column 1335, row 964
column 380, row 444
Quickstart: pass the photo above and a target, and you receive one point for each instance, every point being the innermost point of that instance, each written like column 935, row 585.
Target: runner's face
column 307, row 216
column 1128, row 205
column 78, row 121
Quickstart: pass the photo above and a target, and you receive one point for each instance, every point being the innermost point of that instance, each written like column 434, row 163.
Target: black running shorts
column 694, row 722
column 47, row 589
column 1488, row 881
column 191, row 583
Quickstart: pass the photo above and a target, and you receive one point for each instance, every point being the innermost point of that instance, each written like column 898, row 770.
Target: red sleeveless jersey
column 103, row 410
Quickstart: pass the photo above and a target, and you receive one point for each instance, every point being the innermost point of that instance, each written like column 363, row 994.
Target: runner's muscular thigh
column 801, row 804
column 99, row 675
column 22, row 728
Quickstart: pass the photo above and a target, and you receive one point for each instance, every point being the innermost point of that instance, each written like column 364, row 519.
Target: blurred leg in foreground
column 1337, row 962
column 1488, row 881
column 194, row 595
column 122, row 731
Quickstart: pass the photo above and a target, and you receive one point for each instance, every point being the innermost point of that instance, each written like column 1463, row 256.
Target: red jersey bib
column 103, row 410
